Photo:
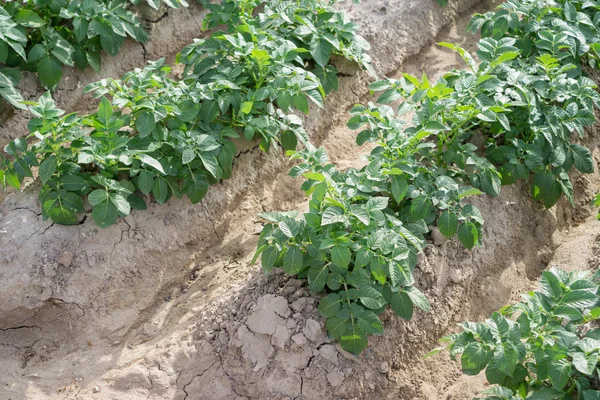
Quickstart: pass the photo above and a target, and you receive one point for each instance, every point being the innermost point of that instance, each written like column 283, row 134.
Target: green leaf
column 105, row 214
column 246, row 107
column 468, row 235
column 63, row 216
column 121, row 203
column 418, row 298
column 448, row 224
column 210, row 110
column 289, row 141
column 320, row 49
column 586, row 364
column 195, row 186
column 145, row 181
column 49, row 71
column 317, row 278
column 97, row 196
column 474, row 358
column 420, row 208
column 105, row 111
column 354, row 340
column 402, row 305
column 362, row 258
column 369, row 323
column 336, row 326
column 268, row 258
column 371, row 297
column 583, row 159
column 591, row 395
column 151, row 161
column 580, row 298
column 111, row 43
column 546, row 188
column 293, row 260
column 145, row 123
column 330, row 305
column 341, row 256
column 188, row 156
column 29, row 19
column 160, row 190
column 399, row 188
column 300, row 102
column 47, row 168
column 211, row 164
column 559, row 373
column 506, row 358
column 72, row 183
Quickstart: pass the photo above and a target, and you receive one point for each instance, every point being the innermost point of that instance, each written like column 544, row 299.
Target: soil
column 165, row 304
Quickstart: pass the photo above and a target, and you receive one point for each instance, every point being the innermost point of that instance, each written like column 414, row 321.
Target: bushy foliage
column 43, row 36
column 176, row 137
column 544, row 347
column 527, row 101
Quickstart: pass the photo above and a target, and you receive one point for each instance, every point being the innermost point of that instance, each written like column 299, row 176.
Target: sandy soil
column 165, row 304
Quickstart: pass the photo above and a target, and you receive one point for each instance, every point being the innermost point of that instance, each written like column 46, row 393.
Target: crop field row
column 516, row 112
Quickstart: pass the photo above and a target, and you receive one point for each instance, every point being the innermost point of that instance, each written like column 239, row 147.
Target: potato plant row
column 166, row 137
column 515, row 115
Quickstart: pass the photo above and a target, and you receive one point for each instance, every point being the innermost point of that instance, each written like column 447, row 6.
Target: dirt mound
column 164, row 304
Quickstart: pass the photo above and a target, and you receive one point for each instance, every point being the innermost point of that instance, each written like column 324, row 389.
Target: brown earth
column 165, row 305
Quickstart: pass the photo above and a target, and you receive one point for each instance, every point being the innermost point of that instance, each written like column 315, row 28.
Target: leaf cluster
column 365, row 227
column 313, row 26
column 43, row 36
column 167, row 137
column 544, row 347
column 517, row 114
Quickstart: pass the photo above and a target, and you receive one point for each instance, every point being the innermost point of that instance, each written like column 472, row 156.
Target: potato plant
column 544, row 347
column 311, row 25
column 42, row 36
column 155, row 135
column 517, row 114
column 360, row 238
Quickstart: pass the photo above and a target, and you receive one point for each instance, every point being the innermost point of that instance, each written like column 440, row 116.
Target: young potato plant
column 360, row 238
column 314, row 26
column 163, row 136
column 544, row 347
column 44, row 35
